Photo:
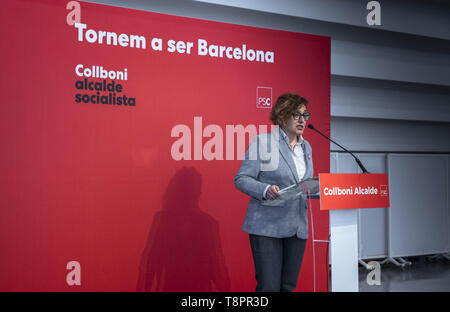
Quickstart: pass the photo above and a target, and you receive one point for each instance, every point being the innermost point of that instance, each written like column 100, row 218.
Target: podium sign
column 352, row 191
column 343, row 193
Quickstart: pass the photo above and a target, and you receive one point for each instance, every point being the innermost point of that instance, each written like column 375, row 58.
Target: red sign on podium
column 353, row 190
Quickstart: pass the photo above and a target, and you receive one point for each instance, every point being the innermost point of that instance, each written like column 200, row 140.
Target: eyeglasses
column 304, row 115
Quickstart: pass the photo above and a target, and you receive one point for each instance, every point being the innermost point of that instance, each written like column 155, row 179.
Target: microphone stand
column 364, row 170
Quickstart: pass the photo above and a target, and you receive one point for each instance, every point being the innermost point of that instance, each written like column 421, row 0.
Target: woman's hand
column 272, row 192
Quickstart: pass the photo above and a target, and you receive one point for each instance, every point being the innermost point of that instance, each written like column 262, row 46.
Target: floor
column 422, row 275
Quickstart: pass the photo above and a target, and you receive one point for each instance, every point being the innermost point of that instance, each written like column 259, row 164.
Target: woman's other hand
column 272, row 192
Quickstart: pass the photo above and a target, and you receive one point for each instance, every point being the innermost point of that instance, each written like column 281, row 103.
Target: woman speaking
column 278, row 233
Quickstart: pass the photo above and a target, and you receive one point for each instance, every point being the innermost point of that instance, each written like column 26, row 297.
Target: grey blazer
column 291, row 217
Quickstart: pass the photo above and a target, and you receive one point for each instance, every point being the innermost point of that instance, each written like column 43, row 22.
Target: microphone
column 364, row 170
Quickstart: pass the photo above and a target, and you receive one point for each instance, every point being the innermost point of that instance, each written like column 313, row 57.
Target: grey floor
column 422, row 276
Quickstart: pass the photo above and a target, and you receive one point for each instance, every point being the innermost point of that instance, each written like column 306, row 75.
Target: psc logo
column 263, row 97
column 383, row 190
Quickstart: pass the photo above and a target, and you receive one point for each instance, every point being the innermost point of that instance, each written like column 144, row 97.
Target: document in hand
column 292, row 192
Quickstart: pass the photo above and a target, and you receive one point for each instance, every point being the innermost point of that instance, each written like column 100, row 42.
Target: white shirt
column 297, row 154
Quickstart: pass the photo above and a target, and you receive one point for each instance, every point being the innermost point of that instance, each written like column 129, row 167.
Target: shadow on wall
column 183, row 250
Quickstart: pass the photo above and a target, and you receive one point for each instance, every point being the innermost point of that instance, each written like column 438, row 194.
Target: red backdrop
column 97, row 184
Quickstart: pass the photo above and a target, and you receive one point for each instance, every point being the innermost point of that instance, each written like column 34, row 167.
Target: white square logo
column 263, row 97
column 383, row 190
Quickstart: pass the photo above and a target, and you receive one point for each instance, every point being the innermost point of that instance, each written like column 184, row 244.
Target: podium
column 342, row 194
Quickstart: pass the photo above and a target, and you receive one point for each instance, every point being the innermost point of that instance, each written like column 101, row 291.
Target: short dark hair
column 286, row 105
